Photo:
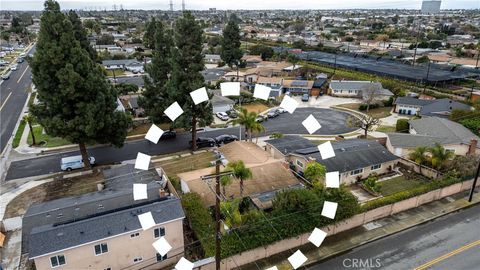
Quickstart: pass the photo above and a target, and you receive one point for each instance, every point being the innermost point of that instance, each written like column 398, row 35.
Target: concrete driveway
column 324, row 101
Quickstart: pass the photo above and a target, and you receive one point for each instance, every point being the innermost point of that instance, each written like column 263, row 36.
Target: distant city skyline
column 244, row 4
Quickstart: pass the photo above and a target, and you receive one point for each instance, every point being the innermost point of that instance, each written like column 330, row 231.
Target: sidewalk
column 345, row 241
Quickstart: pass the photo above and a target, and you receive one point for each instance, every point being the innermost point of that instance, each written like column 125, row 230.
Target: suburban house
column 354, row 159
column 428, row 107
column 430, row 130
column 125, row 64
column 212, row 58
column 101, row 230
column 251, row 60
column 275, row 83
column 360, row 89
column 318, row 86
column 298, row 87
column 268, row 174
column 221, row 103
column 213, row 75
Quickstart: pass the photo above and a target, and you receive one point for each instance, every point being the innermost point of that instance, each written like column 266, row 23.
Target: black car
column 204, row 142
column 224, row 139
column 169, row 134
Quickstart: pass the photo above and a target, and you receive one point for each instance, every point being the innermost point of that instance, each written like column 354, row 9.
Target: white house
column 358, row 89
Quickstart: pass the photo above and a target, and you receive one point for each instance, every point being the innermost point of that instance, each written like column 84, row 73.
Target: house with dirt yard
column 268, row 175
column 101, row 230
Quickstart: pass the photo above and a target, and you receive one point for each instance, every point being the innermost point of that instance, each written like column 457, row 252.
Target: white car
column 74, row 162
column 222, row 116
column 14, row 67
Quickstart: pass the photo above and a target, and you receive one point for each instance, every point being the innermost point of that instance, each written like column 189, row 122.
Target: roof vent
column 81, row 232
column 60, row 234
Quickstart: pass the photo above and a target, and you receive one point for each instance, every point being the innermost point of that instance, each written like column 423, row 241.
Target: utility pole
column 426, row 80
column 171, row 5
column 217, row 175
column 470, row 197
column 416, row 44
column 183, row 5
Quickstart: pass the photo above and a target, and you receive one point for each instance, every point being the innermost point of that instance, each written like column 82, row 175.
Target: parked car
column 203, row 142
column 281, row 110
column 74, row 162
column 232, row 113
column 6, row 76
column 14, row 67
column 273, row 113
column 169, row 134
column 20, row 60
column 305, row 97
column 260, row 118
column 224, row 139
column 222, row 116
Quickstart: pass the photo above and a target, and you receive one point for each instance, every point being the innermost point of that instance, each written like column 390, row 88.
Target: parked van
column 75, row 162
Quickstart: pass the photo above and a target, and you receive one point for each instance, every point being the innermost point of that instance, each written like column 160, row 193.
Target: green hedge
column 447, row 180
column 402, row 125
column 201, row 221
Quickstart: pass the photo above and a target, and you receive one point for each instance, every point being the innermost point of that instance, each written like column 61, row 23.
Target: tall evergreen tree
column 154, row 99
column 149, row 35
column 231, row 52
column 75, row 100
column 81, row 34
column 187, row 63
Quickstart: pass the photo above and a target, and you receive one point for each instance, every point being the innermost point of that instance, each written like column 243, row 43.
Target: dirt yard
column 51, row 191
column 255, row 107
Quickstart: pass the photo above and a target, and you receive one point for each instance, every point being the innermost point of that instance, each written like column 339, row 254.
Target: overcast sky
column 242, row 4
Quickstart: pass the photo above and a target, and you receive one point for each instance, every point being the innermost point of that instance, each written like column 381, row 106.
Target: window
column 134, row 235
column 108, row 268
column 376, row 167
column 137, row 259
column 57, row 260
column 101, row 248
column 358, row 171
column 299, row 163
column 161, row 258
column 157, row 232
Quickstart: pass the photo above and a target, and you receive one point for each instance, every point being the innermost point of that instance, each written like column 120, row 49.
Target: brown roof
column 288, row 83
column 252, row 58
column 271, row 80
column 268, row 174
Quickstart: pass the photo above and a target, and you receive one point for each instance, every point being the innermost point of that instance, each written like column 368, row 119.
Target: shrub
column 201, row 221
column 371, row 183
column 402, row 125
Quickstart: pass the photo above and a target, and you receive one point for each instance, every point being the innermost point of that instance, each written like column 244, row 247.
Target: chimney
column 472, row 148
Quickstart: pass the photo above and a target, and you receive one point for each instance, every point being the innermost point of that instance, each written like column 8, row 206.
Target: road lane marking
column 22, row 75
column 5, row 101
column 448, row 255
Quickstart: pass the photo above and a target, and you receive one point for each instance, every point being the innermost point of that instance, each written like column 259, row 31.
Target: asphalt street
column 332, row 122
column 450, row 242
column 13, row 95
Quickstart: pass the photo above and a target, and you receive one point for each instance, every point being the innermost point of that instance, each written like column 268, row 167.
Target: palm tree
column 240, row 172
column 30, row 119
column 439, row 155
column 247, row 120
column 419, row 156
column 257, row 128
column 225, row 180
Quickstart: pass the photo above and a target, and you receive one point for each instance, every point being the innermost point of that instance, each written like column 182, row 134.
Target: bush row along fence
column 347, row 224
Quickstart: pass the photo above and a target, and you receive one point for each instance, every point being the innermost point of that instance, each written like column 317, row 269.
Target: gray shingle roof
column 49, row 238
column 126, row 62
column 117, row 195
column 405, row 140
column 288, row 144
column 354, row 154
column 221, row 100
column 442, row 107
column 413, row 101
column 452, row 132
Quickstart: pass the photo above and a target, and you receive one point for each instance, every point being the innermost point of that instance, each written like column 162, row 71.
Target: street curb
column 390, row 234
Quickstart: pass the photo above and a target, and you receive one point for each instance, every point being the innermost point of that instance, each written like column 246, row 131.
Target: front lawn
column 185, row 164
column 143, row 128
column 48, row 141
column 118, row 72
column 386, row 129
column 381, row 112
column 18, row 134
column 398, row 184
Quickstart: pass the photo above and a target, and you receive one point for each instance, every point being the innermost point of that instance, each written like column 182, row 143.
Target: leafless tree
column 364, row 122
column 370, row 93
